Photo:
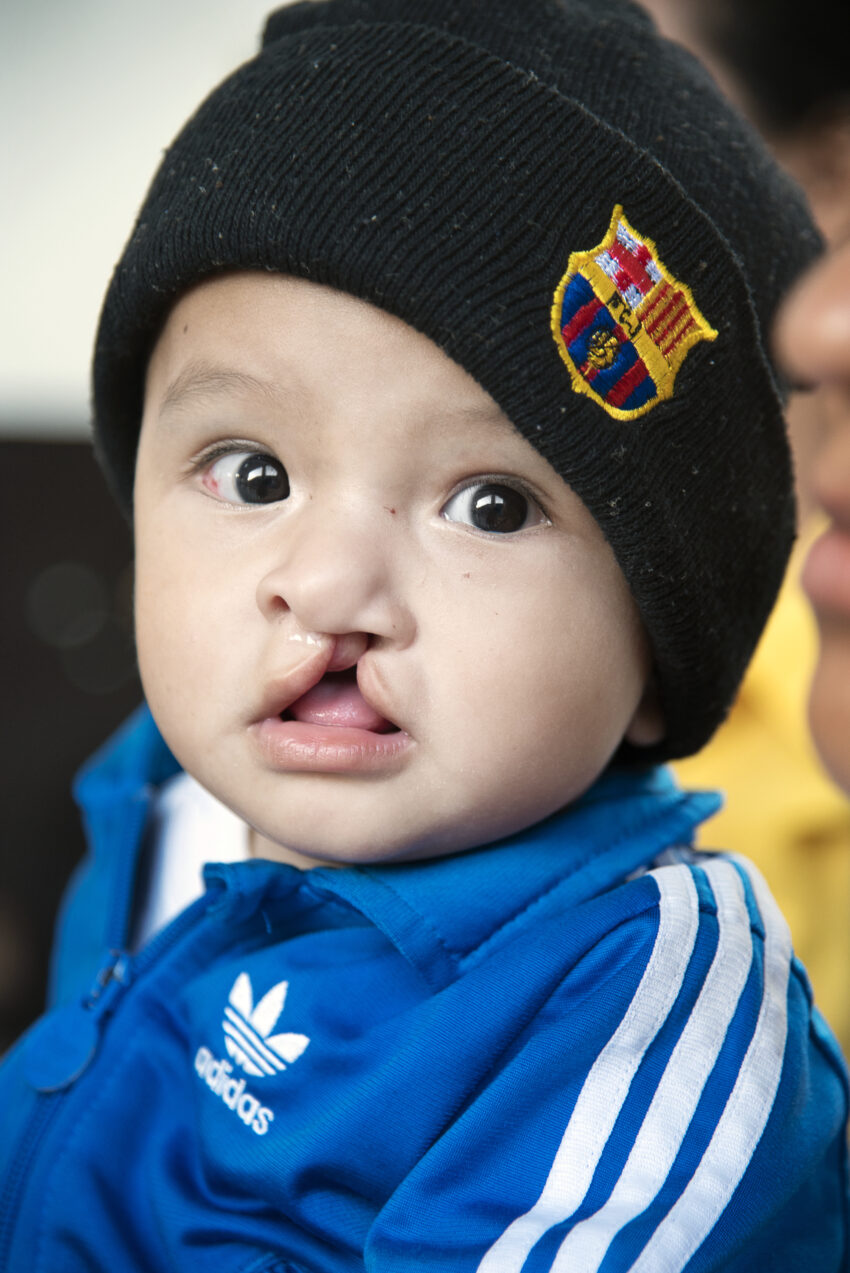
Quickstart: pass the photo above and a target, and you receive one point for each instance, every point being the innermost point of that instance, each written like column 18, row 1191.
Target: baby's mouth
column 336, row 700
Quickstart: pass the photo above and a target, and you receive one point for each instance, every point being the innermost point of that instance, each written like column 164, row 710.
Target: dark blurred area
column 70, row 679
column 792, row 58
column 786, row 66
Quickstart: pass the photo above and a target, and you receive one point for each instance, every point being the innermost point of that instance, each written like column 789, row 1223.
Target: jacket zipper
column 25, row 1154
column 111, row 984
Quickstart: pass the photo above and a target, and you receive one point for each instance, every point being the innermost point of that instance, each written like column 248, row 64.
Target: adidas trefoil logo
column 249, row 1040
column 248, row 1030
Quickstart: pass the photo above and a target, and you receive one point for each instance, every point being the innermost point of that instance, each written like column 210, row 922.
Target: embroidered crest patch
column 623, row 324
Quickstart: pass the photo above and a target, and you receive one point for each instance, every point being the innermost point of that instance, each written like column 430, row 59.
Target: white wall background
column 91, row 92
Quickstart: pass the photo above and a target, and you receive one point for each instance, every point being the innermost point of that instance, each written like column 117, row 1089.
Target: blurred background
column 91, row 93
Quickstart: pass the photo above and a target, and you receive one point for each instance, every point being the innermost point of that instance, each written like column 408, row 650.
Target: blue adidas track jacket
column 537, row 1055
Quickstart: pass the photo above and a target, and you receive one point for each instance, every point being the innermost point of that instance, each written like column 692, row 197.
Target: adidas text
column 217, row 1074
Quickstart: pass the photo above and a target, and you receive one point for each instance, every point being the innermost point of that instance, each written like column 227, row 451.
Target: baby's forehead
column 252, row 335
column 278, row 314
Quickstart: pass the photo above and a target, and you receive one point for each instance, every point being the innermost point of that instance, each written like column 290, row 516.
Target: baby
column 435, row 377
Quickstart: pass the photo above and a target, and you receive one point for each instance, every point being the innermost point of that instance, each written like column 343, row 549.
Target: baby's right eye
column 247, row 477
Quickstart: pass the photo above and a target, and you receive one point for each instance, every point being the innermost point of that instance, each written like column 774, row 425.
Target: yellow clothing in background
column 781, row 809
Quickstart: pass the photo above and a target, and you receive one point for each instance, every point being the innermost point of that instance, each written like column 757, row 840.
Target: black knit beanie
column 564, row 203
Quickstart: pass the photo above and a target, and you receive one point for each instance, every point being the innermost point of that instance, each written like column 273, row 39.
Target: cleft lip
column 286, row 687
column 371, row 689
column 331, row 659
column 338, row 702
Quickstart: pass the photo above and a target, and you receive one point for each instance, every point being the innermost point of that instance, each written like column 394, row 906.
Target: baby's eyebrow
column 485, row 413
column 200, row 380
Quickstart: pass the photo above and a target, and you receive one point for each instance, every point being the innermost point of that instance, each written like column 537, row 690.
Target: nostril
column 275, row 604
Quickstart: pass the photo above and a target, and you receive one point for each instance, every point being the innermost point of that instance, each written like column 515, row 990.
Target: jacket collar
column 448, row 913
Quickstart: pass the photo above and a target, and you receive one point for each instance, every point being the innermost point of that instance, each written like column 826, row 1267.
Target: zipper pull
column 112, row 979
column 61, row 1045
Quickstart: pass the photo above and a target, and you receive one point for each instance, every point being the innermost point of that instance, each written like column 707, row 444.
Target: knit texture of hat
column 563, row 202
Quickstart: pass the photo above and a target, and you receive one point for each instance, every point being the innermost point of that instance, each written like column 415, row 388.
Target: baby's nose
column 336, row 575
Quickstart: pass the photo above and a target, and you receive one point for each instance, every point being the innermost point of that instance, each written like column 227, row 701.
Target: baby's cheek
column 171, row 658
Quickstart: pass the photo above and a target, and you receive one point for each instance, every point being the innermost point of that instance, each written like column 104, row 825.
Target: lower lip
column 298, row 747
column 826, row 574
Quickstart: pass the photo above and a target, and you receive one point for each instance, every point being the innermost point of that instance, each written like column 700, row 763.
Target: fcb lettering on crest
column 623, row 324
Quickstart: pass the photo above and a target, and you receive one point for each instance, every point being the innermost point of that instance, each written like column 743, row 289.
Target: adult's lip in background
column 826, row 572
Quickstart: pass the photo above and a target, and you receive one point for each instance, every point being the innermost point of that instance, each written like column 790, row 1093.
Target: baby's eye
column 247, row 477
column 495, row 507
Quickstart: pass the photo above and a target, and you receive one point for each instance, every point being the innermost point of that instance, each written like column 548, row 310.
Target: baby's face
column 371, row 619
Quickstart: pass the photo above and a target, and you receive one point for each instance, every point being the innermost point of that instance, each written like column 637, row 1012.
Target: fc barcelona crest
column 623, row 324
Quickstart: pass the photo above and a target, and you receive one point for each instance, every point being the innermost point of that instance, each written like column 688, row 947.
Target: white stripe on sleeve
column 694, row 1215
column 608, row 1081
column 679, row 1090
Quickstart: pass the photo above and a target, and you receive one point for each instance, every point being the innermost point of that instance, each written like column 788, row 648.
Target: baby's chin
column 419, row 810
column 381, row 846
column 260, row 846
column 350, row 853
